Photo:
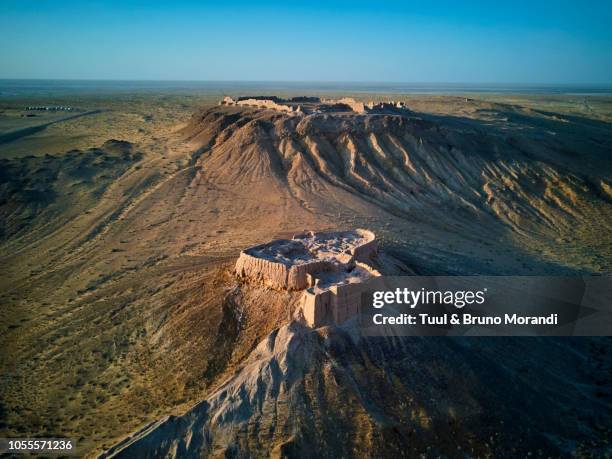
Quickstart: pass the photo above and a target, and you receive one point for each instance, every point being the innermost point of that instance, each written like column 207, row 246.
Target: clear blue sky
column 423, row 41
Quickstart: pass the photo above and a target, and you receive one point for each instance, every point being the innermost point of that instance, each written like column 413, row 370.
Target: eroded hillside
column 528, row 183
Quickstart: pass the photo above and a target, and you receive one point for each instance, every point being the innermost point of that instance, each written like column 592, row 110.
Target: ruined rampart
column 266, row 103
column 308, row 105
column 278, row 275
column 366, row 250
column 268, row 272
column 336, row 304
column 357, row 107
column 371, row 106
column 341, row 260
column 298, row 274
column 271, row 103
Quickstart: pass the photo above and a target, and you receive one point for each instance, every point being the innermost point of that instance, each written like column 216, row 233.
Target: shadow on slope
column 306, row 392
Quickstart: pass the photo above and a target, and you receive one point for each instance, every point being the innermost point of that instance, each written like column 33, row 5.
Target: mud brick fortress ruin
column 309, row 105
column 330, row 267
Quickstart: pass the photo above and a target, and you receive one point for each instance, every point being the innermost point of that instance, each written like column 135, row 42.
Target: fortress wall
column 367, row 249
column 336, row 305
column 297, row 277
column 366, row 234
column 385, row 105
column 270, row 273
column 346, row 301
column 302, row 235
column 262, row 103
column 343, row 104
column 368, row 268
column 265, row 103
column 316, row 307
column 278, row 275
column 357, row 107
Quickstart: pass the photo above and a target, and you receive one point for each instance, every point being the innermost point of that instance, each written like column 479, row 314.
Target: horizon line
column 355, row 82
